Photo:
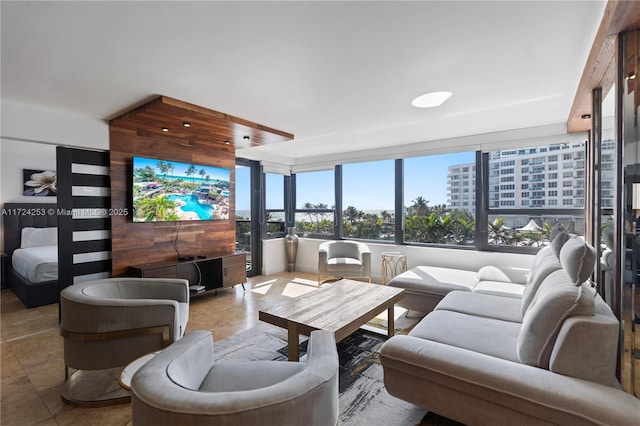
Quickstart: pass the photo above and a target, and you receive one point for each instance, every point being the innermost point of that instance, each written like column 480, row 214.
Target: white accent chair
column 183, row 385
column 109, row 323
column 343, row 259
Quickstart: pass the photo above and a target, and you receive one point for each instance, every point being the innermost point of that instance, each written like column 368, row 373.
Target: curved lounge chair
column 343, row 259
column 183, row 385
column 109, row 323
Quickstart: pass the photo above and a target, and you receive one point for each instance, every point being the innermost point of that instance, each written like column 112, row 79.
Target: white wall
column 38, row 124
column 274, row 256
column 275, row 259
column 28, row 139
column 18, row 155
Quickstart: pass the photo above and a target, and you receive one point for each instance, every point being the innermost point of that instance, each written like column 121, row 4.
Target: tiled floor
column 32, row 355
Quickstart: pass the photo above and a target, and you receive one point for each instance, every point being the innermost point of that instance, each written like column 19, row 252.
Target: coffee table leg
column 293, row 341
column 390, row 321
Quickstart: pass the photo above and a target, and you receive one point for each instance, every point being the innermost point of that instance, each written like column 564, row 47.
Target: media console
column 205, row 273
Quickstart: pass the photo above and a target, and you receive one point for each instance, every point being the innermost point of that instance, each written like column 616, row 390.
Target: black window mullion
column 337, row 221
column 399, row 202
column 482, row 197
column 289, row 200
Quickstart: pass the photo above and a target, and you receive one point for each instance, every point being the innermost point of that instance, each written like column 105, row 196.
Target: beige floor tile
column 31, row 350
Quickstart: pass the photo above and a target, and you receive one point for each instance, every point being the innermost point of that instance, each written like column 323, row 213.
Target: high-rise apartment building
column 551, row 177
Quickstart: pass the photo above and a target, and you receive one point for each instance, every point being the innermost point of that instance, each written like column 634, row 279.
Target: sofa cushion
column 500, row 288
column 555, row 231
column 544, row 264
column 558, row 241
column 435, row 280
column 242, row 376
column 338, row 249
column 343, row 264
column 484, row 335
column 556, row 299
column 492, row 273
column 577, row 258
column 482, row 305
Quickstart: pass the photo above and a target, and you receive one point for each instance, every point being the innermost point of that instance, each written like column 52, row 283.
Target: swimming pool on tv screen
column 204, row 211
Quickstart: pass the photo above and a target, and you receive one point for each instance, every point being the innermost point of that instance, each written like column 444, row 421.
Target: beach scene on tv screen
column 173, row 191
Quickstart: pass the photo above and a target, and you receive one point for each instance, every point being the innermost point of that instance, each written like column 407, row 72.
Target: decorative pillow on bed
column 39, row 237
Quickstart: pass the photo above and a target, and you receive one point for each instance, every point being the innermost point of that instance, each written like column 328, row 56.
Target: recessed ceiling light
column 186, row 124
column 585, row 116
column 246, row 138
column 165, row 129
column 631, row 76
column 429, row 100
column 227, row 142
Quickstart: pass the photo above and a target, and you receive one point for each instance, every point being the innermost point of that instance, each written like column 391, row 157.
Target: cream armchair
column 343, row 259
column 110, row 322
column 183, row 385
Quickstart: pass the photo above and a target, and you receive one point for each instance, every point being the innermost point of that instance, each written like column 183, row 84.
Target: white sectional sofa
column 426, row 286
column 547, row 356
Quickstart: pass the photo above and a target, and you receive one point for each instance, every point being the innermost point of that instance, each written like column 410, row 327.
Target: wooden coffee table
column 341, row 307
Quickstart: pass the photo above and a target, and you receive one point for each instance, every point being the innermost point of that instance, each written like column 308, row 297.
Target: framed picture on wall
column 39, row 183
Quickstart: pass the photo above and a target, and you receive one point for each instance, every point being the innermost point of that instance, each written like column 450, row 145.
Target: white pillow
column 39, row 237
column 491, row 273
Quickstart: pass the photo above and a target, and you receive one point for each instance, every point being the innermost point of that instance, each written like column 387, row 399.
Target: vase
column 291, row 246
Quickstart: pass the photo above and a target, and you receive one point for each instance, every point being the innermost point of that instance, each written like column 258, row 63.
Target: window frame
column 483, row 211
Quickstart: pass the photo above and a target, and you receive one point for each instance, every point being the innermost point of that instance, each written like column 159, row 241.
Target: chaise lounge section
column 548, row 357
column 426, row 286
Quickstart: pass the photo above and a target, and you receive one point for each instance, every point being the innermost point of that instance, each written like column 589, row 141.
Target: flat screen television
column 165, row 190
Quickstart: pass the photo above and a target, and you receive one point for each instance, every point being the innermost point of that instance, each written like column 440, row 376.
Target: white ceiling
column 338, row 75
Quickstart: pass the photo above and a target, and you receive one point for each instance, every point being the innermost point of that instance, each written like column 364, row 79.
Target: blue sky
column 181, row 168
column 366, row 186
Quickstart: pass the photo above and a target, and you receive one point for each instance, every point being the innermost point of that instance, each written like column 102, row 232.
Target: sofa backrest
column 560, row 295
column 579, row 258
column 348, row 249
column 587, row 346
column 544, row 263
column 556, row 300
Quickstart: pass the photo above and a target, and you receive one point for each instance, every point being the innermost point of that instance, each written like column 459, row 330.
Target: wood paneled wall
column 210, row 140
column 136, row 243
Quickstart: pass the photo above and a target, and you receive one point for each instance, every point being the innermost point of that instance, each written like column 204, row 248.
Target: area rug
column 363, row 398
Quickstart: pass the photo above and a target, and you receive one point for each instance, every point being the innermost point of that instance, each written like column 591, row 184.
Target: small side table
column 393, row 263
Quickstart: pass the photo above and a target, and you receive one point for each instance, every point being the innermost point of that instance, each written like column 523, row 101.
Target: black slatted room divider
column 84, row 223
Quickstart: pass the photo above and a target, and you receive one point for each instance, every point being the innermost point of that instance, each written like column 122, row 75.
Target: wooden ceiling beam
column 206, row 126
column 599, row 71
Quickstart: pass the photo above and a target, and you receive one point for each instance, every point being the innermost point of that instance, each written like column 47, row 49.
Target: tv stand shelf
column 213, row 271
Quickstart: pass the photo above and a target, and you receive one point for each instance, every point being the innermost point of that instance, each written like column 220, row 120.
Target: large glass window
column 274, row 203
column 243, row 211
column 528, row 217
column 368, row 200
column 440, row 198
column 315, row 202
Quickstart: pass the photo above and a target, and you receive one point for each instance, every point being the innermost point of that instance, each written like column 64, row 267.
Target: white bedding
column 36, row 264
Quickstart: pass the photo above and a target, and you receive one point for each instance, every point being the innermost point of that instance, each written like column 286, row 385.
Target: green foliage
column 156, row 208
column 146, row 174
column 422, row 224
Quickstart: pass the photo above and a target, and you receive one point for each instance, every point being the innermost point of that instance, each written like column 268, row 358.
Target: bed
column 30, row 237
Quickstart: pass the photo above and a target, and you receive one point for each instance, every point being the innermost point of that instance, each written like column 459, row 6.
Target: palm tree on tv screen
column 156, row 208
column 191, row 170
